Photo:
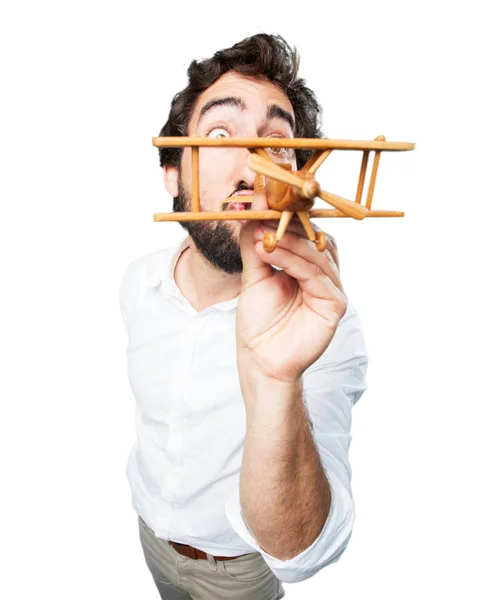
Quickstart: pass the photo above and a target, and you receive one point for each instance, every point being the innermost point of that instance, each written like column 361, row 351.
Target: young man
column 245, row 365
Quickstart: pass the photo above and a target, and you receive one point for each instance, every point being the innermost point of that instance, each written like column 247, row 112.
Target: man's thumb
column 253, row 268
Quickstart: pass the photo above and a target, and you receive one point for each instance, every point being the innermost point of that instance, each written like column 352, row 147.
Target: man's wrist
column 264, row 394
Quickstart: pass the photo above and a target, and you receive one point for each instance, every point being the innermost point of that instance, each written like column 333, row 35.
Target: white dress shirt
column 190, row 416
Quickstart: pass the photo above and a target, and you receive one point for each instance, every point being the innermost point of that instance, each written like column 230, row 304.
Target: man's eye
column 279, row 151
column 218, row 132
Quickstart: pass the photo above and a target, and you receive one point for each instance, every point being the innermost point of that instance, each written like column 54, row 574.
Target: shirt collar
column 163, row 276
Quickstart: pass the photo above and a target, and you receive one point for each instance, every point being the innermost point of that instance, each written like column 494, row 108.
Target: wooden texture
column 356, row 211
column 315, row 162
column 374, row 172
column 303, row 190
column 362, row 176
column 331, row 212
column 304, row 218
column 285, row 219
column 264, row 142
column 225, row 215
column 262, row 215
column 321, row 241
column 268, row 168
column 290, row 194
column 269, row 241
column 195, row 179
column 259, row 183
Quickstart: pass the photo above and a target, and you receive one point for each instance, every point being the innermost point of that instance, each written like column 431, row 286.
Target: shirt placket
column 171, row 488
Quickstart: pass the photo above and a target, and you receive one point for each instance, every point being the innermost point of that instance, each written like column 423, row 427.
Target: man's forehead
column 255, row 93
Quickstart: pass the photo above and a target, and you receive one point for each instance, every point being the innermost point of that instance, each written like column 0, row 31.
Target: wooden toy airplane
column 287, row 192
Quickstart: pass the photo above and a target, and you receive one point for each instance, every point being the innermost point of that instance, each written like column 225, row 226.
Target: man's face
column 234, row 106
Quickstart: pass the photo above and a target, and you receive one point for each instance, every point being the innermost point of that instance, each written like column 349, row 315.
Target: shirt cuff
column 326, row 548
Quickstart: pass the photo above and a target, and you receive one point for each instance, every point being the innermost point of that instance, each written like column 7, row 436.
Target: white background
column 85, row 87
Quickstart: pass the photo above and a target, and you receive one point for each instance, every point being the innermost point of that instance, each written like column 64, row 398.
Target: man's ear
column 171, row 179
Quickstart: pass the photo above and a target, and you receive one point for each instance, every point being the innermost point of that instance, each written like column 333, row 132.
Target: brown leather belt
column 192, row 552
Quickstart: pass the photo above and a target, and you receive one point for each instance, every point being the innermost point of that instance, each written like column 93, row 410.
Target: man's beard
column 215, row 240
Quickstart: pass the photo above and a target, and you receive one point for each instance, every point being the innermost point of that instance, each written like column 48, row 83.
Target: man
column 245, row 365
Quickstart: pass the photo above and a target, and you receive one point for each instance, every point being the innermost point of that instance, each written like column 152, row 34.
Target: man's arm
column 331, row 387
column 295, row 332
column 284, row 492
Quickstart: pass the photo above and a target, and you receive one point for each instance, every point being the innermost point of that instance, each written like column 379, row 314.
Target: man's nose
column 245, row 173
column 252, row 180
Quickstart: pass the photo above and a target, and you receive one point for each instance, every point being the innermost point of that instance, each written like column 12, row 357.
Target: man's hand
column 286, row 319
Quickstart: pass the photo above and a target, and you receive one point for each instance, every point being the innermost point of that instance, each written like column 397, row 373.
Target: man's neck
column 200, row 283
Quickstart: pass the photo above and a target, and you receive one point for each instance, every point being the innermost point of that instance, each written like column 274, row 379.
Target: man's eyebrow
column 275, row 111
column 227, row 101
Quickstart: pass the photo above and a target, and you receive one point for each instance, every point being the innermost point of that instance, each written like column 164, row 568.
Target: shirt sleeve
column 332, row 385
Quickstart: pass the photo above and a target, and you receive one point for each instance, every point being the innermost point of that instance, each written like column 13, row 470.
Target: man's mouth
column 245, row 204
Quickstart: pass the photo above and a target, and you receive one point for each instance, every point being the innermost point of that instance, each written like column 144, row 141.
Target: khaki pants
column 178, row 577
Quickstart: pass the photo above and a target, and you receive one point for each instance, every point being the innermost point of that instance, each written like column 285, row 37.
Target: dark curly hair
column 261, row 55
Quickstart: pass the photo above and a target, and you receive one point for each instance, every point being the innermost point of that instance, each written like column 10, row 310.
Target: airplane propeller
column 308, row 186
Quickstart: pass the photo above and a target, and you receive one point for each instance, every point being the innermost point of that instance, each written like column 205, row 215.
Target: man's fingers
column 296, row 227
column 301, row 246
column 323, row 295
column 253, row 268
